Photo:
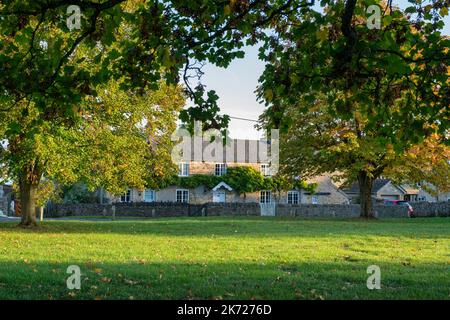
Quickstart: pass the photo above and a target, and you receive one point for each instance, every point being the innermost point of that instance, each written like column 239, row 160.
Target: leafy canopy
column 352, row 99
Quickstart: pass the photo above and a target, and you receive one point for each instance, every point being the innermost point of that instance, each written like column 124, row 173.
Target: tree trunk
column 28, row 201
column 365, row 195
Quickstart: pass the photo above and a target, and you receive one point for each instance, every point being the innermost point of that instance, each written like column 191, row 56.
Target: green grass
column 227, row 258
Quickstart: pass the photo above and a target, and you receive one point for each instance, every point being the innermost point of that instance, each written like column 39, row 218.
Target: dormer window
column 221, row 169
column 183, row 169
column 265, row 169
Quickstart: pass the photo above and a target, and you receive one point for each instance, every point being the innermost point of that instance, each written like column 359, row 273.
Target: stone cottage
column 382, row 189
column 253, row 153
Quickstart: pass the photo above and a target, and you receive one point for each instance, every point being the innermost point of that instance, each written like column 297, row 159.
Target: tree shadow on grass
column 426, row 228
column 172, row 280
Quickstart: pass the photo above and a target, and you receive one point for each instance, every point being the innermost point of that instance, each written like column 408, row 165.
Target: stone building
column 381, row 189
column 5, row 199
column 425, row 195
column 215, row 161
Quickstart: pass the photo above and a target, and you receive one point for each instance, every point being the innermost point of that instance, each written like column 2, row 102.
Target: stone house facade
column 326, row 193
column 424, row 195
column 381, row 189
column 5, row 199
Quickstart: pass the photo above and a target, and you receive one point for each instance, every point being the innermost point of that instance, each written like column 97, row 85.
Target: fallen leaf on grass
column 130, row 282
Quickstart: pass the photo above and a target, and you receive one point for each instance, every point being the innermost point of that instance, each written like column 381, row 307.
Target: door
column 268, row 209
column 219, row 196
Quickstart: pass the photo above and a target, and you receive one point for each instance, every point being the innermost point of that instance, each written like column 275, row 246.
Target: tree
column 426, row 165
column 244, row 179
column 49, row 70
column 121, row 140
column 352, row 99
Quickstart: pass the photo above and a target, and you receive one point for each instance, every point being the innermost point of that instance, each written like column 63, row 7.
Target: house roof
column 376, row 186
column 222, row 185
column 235, row 150
column 407, row 189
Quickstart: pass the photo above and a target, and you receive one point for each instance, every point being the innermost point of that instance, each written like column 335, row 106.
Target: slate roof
column 252, row 151
column 377, row 185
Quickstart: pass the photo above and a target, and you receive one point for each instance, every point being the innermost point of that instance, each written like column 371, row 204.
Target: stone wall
column 171, row 209
column 431, row 209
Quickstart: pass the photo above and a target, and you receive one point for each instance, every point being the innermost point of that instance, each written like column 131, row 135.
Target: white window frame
column 183, row 169
column 314, row 199
column 126, row 197
column 220, row 169
column 265, row 169
column 153, row 195
column 183, row 199
column 265, row 195
column 292, row 193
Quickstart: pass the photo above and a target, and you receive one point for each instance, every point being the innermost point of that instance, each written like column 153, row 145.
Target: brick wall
column 170, row 209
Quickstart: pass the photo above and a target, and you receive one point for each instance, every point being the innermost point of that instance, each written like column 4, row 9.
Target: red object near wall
column 18, row 208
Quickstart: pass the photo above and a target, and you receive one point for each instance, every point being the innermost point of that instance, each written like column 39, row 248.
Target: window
column 183, row 169
column 265, row 197
column 182, row 195
column 126, row 197
column 292, row 197
column 149, row 195
column 314, row 199
column 221, row 169
column 265, row 169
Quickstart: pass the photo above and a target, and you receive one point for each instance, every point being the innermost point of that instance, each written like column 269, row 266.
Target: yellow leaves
column 227, row 10
column 418, row 55
column 444, row 11
column 140, row 261
column 268, row 94
column 322, row 34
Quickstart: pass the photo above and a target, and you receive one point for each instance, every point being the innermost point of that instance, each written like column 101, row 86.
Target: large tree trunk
column 28, row 192
column 365, row 195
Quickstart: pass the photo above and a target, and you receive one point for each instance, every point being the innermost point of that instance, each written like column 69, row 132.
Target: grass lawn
column 227, row 258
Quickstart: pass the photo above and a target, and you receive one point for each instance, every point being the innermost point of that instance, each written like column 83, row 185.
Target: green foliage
column 79, row 193
column 243, row 179
column 117, row 140
column 197, row 180
column 352, row 100
column 140, row 42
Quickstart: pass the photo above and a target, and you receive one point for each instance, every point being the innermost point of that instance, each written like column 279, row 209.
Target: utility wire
column 244, row 119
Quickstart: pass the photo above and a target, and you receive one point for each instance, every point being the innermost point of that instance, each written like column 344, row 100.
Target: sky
column 236, row 85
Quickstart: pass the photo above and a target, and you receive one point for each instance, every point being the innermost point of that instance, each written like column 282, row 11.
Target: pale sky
column 236, row 85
